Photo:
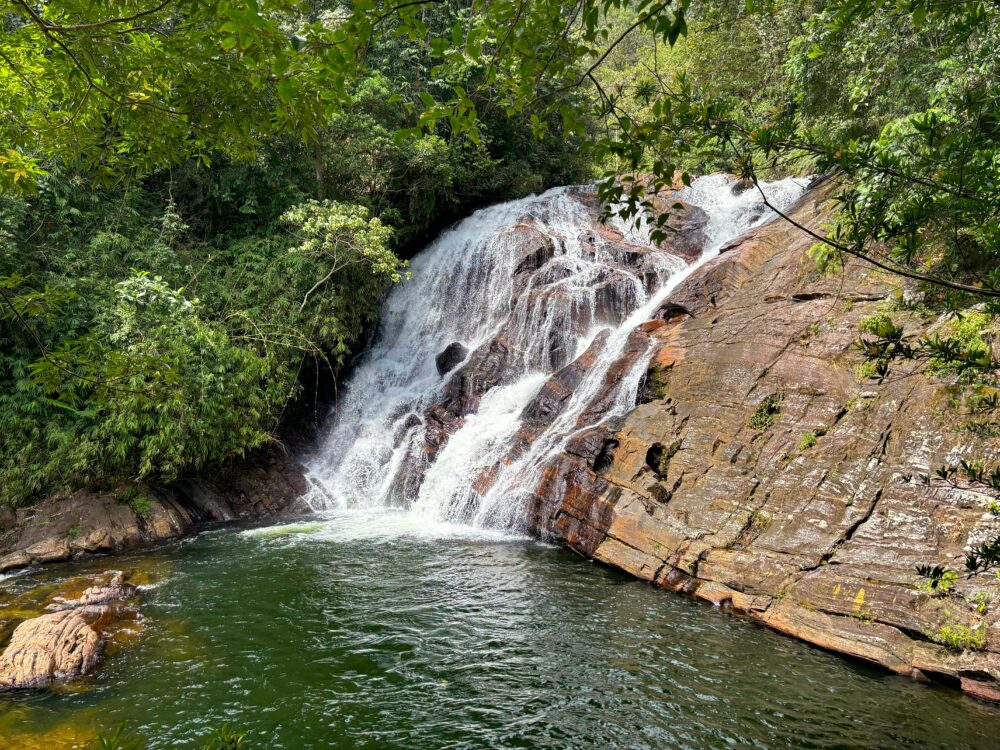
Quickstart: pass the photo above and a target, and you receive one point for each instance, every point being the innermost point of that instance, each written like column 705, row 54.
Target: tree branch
column 109, row 22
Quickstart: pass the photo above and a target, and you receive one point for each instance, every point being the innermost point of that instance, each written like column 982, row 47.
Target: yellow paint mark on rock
column 859, row 600
column 836, row 590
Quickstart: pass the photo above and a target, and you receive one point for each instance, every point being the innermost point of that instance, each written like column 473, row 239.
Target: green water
column 364, row 633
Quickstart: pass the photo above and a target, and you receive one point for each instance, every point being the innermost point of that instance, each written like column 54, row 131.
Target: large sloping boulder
column 765, row 476
column 51, row 647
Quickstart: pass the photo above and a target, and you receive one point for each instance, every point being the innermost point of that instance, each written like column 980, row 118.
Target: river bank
column 267, row 483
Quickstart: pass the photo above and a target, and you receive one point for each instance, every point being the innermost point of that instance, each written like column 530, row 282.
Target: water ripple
column 335, row 636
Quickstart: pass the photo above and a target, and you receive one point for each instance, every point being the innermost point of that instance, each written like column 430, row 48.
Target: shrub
column 767, row 410
column 141, row 505
column 980, row 601
column 967, row 337
column 961, row 637
column 939, row 578
column 143, row 379
column 876, row 324
column 807, row 441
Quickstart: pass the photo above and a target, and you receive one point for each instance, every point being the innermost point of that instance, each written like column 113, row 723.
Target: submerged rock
column 113, row 590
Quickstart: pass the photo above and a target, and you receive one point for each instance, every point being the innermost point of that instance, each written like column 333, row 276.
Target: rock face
column 450, row 358
column 763, row 476
column 66, row 642
column 61, row 528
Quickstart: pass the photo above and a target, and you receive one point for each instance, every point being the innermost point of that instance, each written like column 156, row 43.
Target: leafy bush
column 939, row 579
column 877, row 324
column 966, row 336
column 767, row 410
column 961, row 637
column 140, row 378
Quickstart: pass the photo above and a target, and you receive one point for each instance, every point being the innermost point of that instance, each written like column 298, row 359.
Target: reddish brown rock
column 267, row 482
column 819, row 540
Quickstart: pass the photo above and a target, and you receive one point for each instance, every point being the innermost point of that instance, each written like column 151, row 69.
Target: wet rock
column 531, row 247
column 450, row 357
column 685, row 227
column 483, row 369
column 48, row 648
column 553, row 395
column 615, row 296
column 113, row 590
column 818, row 542
column 741, row 186
column 67, row 641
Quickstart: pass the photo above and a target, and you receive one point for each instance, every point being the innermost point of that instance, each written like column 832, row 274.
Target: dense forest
column 203, row 201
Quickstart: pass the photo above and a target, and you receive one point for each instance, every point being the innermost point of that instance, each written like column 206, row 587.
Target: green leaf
column 285, row 88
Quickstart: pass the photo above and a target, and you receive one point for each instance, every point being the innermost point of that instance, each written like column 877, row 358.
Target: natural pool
column 361, row 632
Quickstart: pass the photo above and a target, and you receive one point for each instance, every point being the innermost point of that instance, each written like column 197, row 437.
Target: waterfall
column 442, row 414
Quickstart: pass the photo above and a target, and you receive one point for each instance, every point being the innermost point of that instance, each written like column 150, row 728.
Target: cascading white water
column 463, row 290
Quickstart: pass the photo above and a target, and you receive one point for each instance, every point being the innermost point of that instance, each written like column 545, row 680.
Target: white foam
column 376, row 524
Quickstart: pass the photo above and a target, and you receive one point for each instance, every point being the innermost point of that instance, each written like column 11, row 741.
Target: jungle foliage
column 174, row 283
column 184, row 178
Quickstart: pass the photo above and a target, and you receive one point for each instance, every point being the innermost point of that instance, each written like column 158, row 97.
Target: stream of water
column 365, row 631
column 464, row 291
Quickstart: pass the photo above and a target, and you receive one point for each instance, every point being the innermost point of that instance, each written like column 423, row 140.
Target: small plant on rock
column 939, row 578
column 865, row 617
column 961, row 637
column 131, row 496
column 760, row 521
column 656, row 383
column 976, row 474
column 980, row 601
column 767, row 410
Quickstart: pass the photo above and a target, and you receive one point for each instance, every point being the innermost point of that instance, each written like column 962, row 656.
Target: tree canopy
column 201, row 201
